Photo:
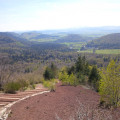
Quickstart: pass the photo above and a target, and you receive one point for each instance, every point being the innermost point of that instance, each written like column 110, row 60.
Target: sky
column 22, row 15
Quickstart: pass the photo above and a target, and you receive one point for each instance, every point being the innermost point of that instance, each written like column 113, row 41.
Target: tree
column 110, row 84
column 94, row 77
column 71, row 70
column 5, row 71
column 82, row 66
column 50, row 72
column 79, row 65
column 54, row 69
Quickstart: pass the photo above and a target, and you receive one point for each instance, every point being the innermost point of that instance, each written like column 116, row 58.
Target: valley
column 59, row 61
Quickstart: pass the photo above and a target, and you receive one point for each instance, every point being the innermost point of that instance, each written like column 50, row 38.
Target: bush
column 23, row 84
column 63, row 76
column 12, row 87
column 50, row 85
column 73, row 80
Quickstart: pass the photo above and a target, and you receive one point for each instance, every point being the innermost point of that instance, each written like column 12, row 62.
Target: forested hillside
column 37, row 36
column 74, row 38
column 111, row 41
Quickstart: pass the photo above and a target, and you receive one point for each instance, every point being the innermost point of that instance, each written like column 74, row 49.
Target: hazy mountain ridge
column 82, row 30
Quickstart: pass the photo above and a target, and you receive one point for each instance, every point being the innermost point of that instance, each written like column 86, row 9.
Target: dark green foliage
column 94, row 77
column 79, row 71
column 82, row 67
column 50, row 72
column 82, row 72
column 71, row 70
column 79, row 65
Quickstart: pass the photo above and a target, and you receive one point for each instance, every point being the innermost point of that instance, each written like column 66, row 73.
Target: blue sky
column 17, row 15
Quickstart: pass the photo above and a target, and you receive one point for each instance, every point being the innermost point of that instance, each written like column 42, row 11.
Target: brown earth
column 5, row 99
column 62, row 105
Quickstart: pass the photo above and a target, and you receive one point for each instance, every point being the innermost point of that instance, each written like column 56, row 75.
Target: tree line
column 106, row 80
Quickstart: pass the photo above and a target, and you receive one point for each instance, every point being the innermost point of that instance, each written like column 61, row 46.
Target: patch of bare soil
column 67, row 102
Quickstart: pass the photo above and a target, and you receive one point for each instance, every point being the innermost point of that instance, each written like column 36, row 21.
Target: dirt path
column 60, row 105
column 7, row 100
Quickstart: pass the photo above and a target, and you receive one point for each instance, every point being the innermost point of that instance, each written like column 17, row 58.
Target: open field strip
column 104, row 51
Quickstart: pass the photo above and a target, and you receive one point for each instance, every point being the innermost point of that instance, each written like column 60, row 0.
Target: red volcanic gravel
column 63, row 104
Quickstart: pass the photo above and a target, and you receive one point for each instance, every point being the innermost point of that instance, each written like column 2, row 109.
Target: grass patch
column 74, row 45
column 43, row 40
column 108, row 51
column 105, row 51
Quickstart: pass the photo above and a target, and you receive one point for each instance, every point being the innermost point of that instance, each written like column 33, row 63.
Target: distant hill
column 5, row 40
column 29, row 35
column 110, row 41
column 74, row 38
column 8, row 39
column 36, row 36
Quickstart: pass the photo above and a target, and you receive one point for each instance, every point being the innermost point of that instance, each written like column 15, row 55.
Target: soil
column 62, row 104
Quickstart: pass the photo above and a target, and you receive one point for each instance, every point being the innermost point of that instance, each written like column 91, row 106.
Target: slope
column 110, row 41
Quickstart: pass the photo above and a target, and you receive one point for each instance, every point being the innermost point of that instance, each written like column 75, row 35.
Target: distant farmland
column 104, row 51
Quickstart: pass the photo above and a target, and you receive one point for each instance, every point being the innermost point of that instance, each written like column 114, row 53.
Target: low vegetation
column 11, row 87
column 51, row 84
column 80, row 73
column 110, row 85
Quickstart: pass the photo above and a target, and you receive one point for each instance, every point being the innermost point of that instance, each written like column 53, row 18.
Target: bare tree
column 5, row 71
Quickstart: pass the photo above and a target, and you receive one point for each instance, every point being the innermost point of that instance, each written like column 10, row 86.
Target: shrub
column 11, row 87
column 72, row 80
column 63, row 76
column 50, row 85
column 23, row 84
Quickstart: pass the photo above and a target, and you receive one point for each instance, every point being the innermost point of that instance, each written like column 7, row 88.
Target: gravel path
column 8, row 100
column 61, row 104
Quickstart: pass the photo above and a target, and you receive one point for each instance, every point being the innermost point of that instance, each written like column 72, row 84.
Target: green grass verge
column 105, row 51
column 74, row 45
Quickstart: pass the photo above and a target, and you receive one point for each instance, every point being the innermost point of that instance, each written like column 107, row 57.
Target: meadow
column 102, row 51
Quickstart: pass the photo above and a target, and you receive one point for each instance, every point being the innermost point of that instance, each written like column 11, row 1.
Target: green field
column 105, row 51
column 43, row 40
column 75, row 45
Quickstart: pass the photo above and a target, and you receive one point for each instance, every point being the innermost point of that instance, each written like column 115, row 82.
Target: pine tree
column 94, row 78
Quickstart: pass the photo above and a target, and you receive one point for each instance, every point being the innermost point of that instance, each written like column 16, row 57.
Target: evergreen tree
column 50, row 72
column 79, row 65
column 94, row 77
